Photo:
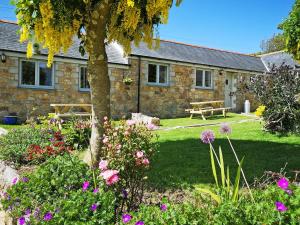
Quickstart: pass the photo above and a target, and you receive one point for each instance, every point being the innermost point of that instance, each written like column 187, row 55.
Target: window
column 204, row 79
column 83, row 82
column 158, row 74
column 36, row 74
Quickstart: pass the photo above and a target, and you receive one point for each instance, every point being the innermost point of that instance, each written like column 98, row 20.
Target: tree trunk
column 98, row 75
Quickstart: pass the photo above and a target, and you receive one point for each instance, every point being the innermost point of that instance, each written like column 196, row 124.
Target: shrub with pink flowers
column 127, row 151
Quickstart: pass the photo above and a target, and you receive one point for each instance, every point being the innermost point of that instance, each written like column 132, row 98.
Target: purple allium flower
column 96, row 190
column 85, row 185
column 163, row 207
column 25, row 179
column 207, row 136
column 140, row 222
column 94, row 207
column 48, row 216
column 283, row 183
column 21, row 220
column 225, row 129
column 126, row 218
column 280, row 206
column 15, row 180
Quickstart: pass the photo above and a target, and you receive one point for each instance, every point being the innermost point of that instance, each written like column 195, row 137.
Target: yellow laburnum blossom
column 29, row 50
column 260, row 110
column 24, row 34
column 130, row 3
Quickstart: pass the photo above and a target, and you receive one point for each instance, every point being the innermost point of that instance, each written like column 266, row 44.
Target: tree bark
column 98, row 75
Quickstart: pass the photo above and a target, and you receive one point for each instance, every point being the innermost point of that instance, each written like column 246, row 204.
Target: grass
column 198, row 120
column 9, row 127
column 183, row 160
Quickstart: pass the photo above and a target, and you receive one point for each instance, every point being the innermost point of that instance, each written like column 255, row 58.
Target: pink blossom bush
column 128, row 148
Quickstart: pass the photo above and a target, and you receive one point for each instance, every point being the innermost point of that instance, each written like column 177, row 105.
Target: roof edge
column 271, row 53
column 8, row 21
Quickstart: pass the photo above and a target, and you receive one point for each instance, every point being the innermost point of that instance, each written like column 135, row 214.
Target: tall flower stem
column 243, row 174
column 212, row 147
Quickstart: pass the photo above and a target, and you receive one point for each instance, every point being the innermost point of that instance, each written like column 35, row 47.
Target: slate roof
column 9, row 40
column 201, row 55
column 278, row 58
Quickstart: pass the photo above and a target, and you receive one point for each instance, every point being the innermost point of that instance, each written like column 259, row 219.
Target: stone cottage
column 165, row 80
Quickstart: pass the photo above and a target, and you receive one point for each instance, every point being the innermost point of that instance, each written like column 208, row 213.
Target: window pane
column 163, row 73
column 45, row 74
column 28, row 73
column 84, row 83
column 207, row 78
column 199, row 78
column 152, row 73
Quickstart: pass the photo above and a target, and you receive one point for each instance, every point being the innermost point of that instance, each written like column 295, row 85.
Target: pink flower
column 105, row 118
column 139, row 154
column 207, row 136
column 103, row 165
column 283, row 183
column 130, row 122
column 280, row 206
column 225, row 129
column 126, row 133
column 151, row 126
column 146, row 162
column 110, row 176
column 85, row 185
column 118, row 147
column 105, row 140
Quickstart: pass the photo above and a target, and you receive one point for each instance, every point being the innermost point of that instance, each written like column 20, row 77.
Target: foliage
column 291, row 31
column 276, row 43
column 14, row 145
column 277, row 91
column 77, row 133
column 54, row 23
column 56, row 188
column 127, row 153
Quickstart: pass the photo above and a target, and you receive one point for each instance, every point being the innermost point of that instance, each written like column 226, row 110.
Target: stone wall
column 160, row 101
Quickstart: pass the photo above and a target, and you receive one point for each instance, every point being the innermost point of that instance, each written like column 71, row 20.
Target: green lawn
column 183, row 160
column 198, row 120
column 9, row 127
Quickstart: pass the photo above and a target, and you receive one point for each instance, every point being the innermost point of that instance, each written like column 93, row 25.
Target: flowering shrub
column 77, row 133
column 126, row 155
column 36, row 154
column 14, row 145
column 58, row 193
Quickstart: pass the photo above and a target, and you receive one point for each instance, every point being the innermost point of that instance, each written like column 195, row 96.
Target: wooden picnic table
column 202, row 108
column 68, row 110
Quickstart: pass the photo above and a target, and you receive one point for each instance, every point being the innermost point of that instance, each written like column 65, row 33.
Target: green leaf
column 212, row 195
column 213, row 167
column 237, row 182
column 222, row 167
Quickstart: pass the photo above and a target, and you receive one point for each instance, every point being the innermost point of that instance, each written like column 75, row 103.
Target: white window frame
column 36, row 75
column 158, row 65
column 79, row 79
column 203, row 79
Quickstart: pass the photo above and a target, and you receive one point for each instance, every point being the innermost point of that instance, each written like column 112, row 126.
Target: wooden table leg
column 191, row 117
column 203, row 117
column 224, row 113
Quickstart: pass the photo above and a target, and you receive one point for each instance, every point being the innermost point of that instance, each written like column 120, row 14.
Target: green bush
column 13, row 146
column 56, row 187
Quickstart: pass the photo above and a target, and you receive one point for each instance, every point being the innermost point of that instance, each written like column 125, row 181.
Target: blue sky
column 237, row 25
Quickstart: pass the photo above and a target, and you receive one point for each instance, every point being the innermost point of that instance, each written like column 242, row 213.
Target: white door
column 229, row 89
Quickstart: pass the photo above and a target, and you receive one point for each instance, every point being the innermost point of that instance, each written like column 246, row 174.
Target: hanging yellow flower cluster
column 52, row 37
column 133, row 25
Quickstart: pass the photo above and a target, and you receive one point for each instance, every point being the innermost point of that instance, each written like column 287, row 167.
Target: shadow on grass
column 184, row 163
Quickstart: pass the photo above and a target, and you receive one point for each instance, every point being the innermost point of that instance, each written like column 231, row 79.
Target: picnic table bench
column 202, row 108
column 71, row 110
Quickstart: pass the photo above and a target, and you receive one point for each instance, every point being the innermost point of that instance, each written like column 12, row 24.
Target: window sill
column 36, row 87
column 204, row 88
column 157, row 85
column 84, row 90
